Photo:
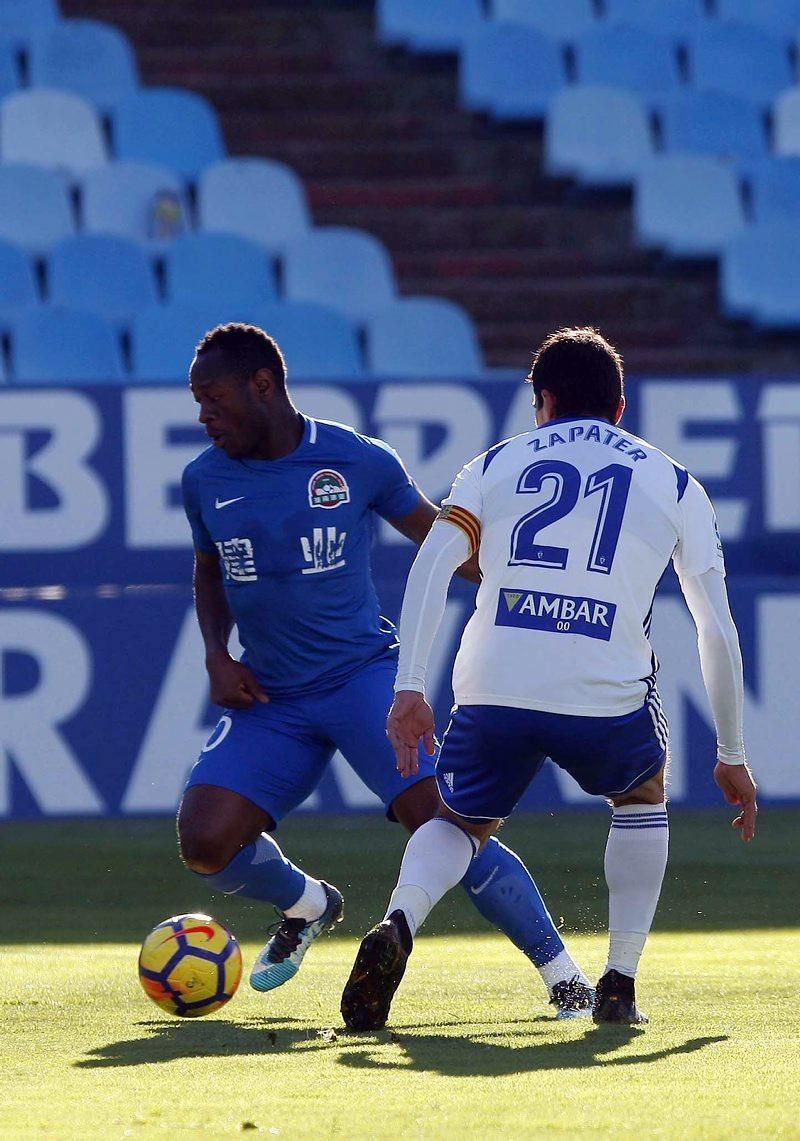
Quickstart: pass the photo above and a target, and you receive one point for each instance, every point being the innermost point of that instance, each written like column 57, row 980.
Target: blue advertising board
column 103, row 696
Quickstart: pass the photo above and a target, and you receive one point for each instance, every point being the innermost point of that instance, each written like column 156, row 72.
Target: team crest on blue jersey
column 328, row 488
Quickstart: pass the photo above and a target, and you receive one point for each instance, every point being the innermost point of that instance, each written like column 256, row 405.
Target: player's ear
column 620, row 410
column 264, row 382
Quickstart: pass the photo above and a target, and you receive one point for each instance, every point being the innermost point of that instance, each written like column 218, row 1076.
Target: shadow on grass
column 450, row 1055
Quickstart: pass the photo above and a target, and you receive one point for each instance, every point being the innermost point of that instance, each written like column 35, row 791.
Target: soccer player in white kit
column 575, row 523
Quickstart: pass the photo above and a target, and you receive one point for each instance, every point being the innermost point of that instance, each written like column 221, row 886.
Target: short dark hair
column 582, row 370
column 245, row 349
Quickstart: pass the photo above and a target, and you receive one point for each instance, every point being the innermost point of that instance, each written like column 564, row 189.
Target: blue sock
column 261, row 871
column 500, row 886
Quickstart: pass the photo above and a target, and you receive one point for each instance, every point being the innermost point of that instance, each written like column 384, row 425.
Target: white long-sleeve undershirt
column 447, row 547
column 720, row 660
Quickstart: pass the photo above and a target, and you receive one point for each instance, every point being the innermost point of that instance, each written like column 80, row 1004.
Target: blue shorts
column 275, row 754
column 491, row 753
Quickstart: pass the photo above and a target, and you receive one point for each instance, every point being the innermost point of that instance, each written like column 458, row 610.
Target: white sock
column 636, row 857
column 561, row 969
column 311, row 903
column 436, row 858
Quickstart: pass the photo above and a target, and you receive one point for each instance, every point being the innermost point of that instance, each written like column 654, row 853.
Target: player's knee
column 201, row 849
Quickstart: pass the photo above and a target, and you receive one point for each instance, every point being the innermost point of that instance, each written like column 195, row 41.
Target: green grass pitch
column 472, row 1050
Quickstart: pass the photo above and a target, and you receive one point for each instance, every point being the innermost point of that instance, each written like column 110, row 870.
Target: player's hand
column 410, row 719
column 738, row 787
column 233, row 685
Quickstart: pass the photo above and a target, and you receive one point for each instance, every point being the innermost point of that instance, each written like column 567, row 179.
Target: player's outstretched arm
column 232, row 684
column 721, row 665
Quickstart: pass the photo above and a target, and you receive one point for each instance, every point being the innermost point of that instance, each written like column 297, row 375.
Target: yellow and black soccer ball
column 190, row 965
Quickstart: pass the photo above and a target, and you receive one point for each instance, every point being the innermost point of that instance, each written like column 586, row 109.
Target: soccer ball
column 190, row 965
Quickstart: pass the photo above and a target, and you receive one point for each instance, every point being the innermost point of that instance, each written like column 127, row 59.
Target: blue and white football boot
column 281, row 958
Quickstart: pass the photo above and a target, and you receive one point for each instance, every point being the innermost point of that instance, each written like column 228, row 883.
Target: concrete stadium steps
column 461, row 203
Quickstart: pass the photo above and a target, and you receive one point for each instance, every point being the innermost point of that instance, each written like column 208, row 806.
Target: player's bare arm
column 416, row 525
column 232, row 684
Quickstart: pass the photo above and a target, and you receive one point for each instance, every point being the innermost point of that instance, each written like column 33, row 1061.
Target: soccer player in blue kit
column 282, row 508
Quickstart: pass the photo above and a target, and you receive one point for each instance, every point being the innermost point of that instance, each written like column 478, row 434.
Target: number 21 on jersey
column 564, row 482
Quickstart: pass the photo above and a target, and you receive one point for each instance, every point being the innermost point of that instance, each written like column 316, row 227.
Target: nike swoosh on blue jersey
column 226, row 502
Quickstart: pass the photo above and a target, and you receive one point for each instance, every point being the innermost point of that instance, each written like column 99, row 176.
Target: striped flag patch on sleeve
column 465, row 520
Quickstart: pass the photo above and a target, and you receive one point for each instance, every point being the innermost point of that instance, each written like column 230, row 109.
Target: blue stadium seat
column 739, row 60
column 715, row 123
column 423, row 337
column 781, row 17
column 632, row 58
column 600, row 135
column 427, row 25
column 163, row 337
column 167, row 126
column 318, row 342
column 17, row 282
column 50, row 128
column 35, row 210
column 673, row 18
column 224, row 268
column 102, row 274
column 758, row 275
column 9, row 68
column 509, row 70
column 775, row 189
column 687, row 203
column 134, row 200
column 88, row 57
column 63, row 346
column 786, row 122
column 255, row 198
column 19, row 18
column 336, row 266
column 560, row 19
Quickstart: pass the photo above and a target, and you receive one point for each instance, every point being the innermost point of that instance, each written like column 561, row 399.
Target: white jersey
column 578, row 521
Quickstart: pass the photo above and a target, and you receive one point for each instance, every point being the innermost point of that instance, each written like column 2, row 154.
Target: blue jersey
column 294, row 537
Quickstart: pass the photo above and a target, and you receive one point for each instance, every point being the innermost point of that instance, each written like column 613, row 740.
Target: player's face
column 230, row 410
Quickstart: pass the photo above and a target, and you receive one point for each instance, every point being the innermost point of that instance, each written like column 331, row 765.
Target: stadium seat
column 775, row 189
column 786, row 122
column 759, row 277
column 20, row 18
column 632, row 58
column 163, row 337
column 255, row 198
column 63, row 346
column 509, row 70
column 422, row 337
column 50, row 128
column 559, row 19
column 715, row 123
column 674, row 19
column 9, row 68
column 340, row 267
column 90, row 58
column 689, row 204
column 35, row 209
column 780, row 17
column 134, row 200
column 317, row 341
column 167, row 126
column 103, row 274
column 600, row 135
column 427, row 25
column 17, row 282
column 223, row 268
column 739, row 60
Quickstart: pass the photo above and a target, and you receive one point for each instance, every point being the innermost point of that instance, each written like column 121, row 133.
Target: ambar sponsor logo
column 328, row 488
column 558, row 613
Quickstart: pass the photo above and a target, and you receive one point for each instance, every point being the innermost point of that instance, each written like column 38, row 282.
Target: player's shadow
column 456, row 1056
column 168, row 1041
column 489, row 1054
